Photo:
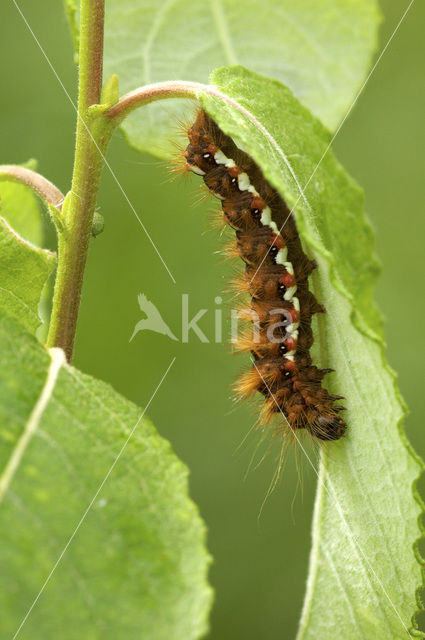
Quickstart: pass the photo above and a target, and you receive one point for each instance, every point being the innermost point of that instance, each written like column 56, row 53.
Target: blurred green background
column 260, row 560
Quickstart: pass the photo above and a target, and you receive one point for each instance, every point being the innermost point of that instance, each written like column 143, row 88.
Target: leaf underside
column 24, row 269
column 364, row 569
column 137, row 565
column 321, row 50
column 21, row 208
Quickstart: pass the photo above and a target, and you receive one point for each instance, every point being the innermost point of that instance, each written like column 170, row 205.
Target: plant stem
column 91, row 142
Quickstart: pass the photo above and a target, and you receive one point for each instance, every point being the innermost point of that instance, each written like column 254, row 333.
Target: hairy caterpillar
column 276, row 277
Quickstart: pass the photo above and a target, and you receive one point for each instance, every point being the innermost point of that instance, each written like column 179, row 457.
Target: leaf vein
column 159, row 20
column 223, row 31
column 56, row 363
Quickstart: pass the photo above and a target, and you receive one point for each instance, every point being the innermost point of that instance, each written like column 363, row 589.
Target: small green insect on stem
column 93, row 135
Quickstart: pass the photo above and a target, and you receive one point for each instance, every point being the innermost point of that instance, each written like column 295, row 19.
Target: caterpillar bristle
column 238, row 286
column 230, row 252
column 246, row 342
column 247, row 384
column 200, row 197
column 175, row 164
column 215, row 222
column 182, row 124
column 268, row 411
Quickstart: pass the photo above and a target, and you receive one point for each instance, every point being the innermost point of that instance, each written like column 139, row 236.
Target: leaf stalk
column 45, row 189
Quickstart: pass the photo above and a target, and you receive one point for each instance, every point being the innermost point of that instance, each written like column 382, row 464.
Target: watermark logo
column 153, row 321
column 277, row 322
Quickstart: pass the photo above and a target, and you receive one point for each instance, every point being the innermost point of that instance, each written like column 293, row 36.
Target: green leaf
column 364, row 569
column 137, row 565
column 72, row 10
column 21, row 208
column 24, row 270
column 322, row 50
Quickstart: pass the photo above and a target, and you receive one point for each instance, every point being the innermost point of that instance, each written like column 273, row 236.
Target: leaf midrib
column 223, row 31
column 57, row 361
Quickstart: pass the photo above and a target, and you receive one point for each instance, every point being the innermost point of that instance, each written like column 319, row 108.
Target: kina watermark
column 276, row 323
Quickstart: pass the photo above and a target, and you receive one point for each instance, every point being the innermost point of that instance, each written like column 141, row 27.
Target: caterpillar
column 276, row 278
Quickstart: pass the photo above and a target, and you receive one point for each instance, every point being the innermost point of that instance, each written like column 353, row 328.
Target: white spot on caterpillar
column 266, row 217
column 266, row 220
column 243, row 178
column 221, row 158
column 289, row 293
column 290, row 355
column 243, row 181
column 195, row 169
column 281, row 256
column 289, row 268
column 245, row 185
column 296, row 303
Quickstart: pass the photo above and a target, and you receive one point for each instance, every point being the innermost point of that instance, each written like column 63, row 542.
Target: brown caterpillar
column 276, row 277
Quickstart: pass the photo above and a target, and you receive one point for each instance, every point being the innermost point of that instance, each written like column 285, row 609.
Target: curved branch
column 163, row 90
column 38, row 183
column 151, row 92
